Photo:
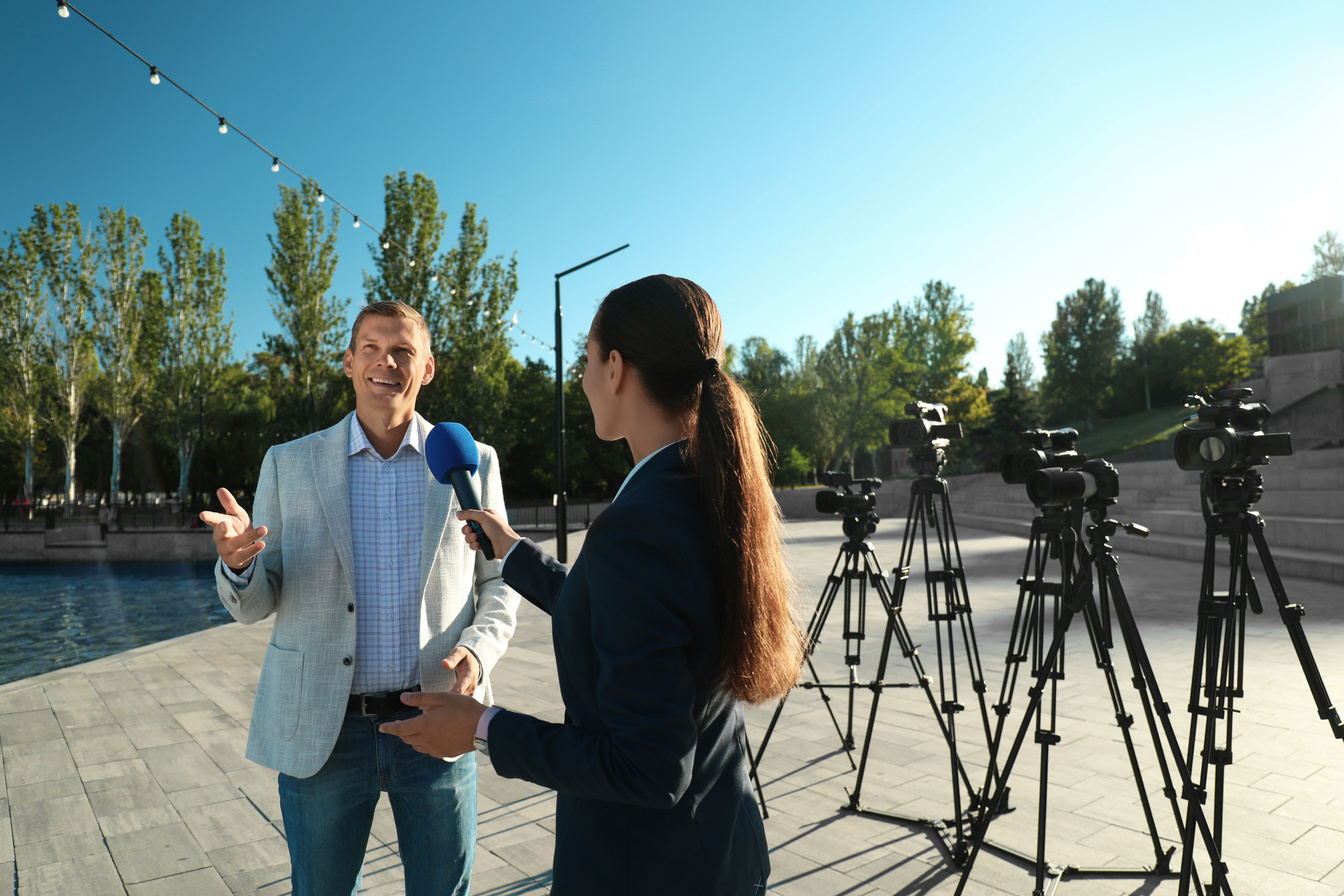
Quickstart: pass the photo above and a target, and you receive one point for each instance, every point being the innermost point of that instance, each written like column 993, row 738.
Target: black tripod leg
column 991, row 806
column 1292, row 614
column 813, row 638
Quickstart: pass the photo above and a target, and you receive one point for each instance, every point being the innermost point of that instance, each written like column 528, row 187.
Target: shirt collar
column 648, row 457
column 359, row 440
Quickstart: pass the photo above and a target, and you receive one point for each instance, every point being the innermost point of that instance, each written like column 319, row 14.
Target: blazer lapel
column 331, row 474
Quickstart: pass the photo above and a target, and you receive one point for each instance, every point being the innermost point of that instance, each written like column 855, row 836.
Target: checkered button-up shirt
column 387, row 515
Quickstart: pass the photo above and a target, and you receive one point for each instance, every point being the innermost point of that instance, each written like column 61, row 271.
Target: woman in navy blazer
column 677, row 611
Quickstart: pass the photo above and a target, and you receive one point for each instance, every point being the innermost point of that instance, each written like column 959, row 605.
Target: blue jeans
column 328, row 816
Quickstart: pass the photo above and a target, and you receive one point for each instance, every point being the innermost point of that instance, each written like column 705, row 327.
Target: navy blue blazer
column 650, row 765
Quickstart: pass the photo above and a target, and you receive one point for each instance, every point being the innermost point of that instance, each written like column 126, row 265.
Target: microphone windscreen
column 450, row 447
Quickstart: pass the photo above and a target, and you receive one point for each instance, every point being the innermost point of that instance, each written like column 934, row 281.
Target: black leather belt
column 387, row 704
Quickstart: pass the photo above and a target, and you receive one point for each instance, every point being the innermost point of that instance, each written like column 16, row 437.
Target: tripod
column 857, row 563
column 949, row 608
column 1054, row 537
column 1217, row 674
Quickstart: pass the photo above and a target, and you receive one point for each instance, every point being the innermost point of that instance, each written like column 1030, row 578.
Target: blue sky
column 798, row 160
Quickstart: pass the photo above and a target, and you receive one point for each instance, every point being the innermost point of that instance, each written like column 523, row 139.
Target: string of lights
column 156, row 76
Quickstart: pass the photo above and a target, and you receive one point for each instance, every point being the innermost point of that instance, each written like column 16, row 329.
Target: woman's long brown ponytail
column 669, row 330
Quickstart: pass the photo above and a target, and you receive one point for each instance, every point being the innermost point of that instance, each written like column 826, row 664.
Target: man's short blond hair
column 392, row 308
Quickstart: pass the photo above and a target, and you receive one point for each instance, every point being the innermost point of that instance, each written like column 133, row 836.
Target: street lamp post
column 561, row 517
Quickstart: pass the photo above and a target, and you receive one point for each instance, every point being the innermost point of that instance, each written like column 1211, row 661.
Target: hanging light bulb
column 434, row 277
column 515, row 318
column 275, row 163
column 62, row 10
column 321, row 197
column 356, row 222
column 153, row 75
column 412, row 261
column 387, row 243
column 223, row 126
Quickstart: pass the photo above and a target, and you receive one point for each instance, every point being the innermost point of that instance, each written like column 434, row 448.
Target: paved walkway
column 127, row 775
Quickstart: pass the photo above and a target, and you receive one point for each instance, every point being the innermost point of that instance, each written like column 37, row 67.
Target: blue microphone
column 451, row 454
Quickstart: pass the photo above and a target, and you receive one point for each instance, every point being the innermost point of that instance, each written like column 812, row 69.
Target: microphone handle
column 467, row 497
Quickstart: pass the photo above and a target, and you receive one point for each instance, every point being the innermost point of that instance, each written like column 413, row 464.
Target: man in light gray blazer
column 356, row 552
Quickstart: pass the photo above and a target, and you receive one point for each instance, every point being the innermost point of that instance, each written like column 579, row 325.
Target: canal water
column 57, row 615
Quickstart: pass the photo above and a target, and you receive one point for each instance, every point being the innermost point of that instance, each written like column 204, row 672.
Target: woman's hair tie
column 710, row 369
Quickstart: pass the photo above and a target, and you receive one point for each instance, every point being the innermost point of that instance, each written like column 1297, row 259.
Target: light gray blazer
column 304, row 576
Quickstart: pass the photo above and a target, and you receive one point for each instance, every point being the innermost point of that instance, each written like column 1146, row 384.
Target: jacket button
column 350, row 607
column 347, row 661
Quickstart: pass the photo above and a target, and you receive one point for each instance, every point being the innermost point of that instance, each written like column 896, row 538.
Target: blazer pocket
column 276, row 714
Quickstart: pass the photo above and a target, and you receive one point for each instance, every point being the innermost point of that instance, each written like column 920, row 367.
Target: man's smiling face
column 388, row 364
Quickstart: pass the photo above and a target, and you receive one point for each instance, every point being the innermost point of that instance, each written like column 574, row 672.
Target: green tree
column 313, row 325
column 863, row 376
column 404, row 259
column 1014, row 408
column 127, row 294
column 1329, row 254
column 1197, row 355
column 1081, row 350
column 937, row 343
column 470, row 319
column 1255, row 322
column 69, row 263
column 198, row 340
column 25, row 342
column 1152, row 324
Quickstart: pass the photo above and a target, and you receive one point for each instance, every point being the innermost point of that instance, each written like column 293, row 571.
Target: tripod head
column 1229, row 492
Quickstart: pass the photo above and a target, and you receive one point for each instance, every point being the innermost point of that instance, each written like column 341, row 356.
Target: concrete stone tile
column 44, row 790
column 120, row 768
column 242, row 857
column 508, row 880
column 77, row 716
column 153, row 853
column 25, row 727
column 6, row 840
column 57, row 817
column 202, row 796
column 205, row 882
column 217, row 825
column 23, row 698
column 127, row 822
column 83, row 875
column 96, row 750
column 181, row 766
column 45, row 852
column 226, row 747
column 156, row 733
column 36, row 761
column 272, row 881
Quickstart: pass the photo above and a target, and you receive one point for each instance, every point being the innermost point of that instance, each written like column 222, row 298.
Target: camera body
column 1227, row 433
column 927, row 426
column 839, row 496
column 1041, row 449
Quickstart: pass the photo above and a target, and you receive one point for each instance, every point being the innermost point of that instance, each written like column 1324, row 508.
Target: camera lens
column 1052, row 487
column 1211, row 449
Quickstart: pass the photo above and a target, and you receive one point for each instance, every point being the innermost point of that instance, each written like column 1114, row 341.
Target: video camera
column 839, row 498
column 1041, row 448
column 1227, row 433
column 1055, row 487
column 927, row 426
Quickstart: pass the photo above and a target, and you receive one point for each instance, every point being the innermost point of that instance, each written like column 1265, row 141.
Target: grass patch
column 1151, row 429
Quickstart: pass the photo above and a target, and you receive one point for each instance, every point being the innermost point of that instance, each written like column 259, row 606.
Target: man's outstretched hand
column 235, row 539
